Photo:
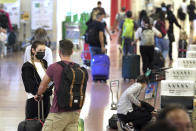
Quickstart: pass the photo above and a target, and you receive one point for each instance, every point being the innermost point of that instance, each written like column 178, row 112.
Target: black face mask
column 40, row 55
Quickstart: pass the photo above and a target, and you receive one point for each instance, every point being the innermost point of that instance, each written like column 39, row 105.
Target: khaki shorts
column 64, row 121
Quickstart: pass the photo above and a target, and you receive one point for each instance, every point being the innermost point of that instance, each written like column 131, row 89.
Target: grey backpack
column 147, row 37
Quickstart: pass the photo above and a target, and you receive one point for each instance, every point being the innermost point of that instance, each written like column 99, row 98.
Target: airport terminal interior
column 66, row 19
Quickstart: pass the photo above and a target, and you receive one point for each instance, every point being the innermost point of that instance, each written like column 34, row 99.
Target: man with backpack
column 146, row 35
column 127, row 33
column 70, row 86
column 95, row 34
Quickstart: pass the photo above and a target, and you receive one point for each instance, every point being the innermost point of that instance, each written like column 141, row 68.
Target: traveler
column 146, row 34
column 5, row 19
column 172, row 20
column 96, row 36
column 33, row 72
column 70, row 85
column 142, row 14
column 162, row 43
column 119, row 18
column 182, row 13
column 191, row 13
column 160, row 126
column 130, row 109
column 177, row 116
column 97, row 10
column 41, row 35
column 127, row 33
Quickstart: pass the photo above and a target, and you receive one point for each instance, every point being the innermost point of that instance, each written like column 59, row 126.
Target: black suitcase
column 33, row 124
column 182, row 48
column 130, row 66
column 158, row 59
column 113, row 121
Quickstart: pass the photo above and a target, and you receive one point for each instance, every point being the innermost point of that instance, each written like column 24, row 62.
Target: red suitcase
column 86, row 56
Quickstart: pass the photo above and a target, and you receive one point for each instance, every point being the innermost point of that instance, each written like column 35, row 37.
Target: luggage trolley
column 73, row 33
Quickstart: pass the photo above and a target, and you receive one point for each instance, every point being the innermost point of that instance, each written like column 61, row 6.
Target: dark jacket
column 31, row 78
column 172, row 20
column 31, row 82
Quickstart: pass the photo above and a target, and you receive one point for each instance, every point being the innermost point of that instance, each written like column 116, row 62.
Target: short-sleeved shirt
column 54, row 72
column 100, row 28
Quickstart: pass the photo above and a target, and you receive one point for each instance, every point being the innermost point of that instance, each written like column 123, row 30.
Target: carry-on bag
column 86, row 56
column 100, row 67
column 131, row 65
column 33, row 124
column 182, row 48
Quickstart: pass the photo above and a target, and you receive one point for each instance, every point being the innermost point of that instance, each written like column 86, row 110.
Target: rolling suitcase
column 130, row 66
column 182, row 48
column 100, row 67
column 86, row 56
column 33, row 124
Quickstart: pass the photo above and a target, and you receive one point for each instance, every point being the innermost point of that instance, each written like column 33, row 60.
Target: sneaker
column 127, row 126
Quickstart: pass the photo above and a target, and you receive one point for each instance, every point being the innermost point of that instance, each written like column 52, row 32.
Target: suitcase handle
column 42, row 109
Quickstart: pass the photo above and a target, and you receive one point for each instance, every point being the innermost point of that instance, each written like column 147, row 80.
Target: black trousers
column 147, row 53
column 139, row 116
column 171, row 40
column 31, row 110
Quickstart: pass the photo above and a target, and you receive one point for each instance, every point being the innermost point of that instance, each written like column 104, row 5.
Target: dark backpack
column 160, row 25
column 11, row 38
column 3, row 20
column 71, row 93
column 92, row 34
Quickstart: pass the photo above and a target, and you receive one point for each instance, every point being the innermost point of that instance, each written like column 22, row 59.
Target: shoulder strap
column 62, row 64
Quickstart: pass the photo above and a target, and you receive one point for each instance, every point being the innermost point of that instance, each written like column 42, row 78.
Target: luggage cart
column 72, row 33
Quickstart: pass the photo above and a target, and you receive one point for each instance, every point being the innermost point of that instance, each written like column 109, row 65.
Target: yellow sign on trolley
column 7, row 1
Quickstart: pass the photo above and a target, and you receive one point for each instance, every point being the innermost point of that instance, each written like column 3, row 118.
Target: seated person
column 130, row 110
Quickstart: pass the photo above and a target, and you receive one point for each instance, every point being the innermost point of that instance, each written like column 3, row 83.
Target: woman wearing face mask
column 33, row 72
